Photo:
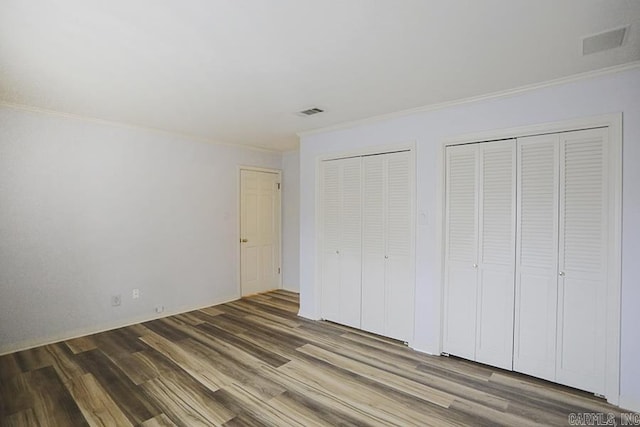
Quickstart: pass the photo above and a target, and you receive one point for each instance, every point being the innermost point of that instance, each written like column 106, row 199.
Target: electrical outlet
column 135, row 294
column 116, row 300
column 159, row 308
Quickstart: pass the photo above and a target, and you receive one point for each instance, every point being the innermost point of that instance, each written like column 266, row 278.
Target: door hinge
column 278, row 270
column 278, row 186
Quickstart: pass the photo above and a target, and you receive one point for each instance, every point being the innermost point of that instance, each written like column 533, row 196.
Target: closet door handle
column 475, row 265
column 561, row 274
column 386, row 257
column 338, row 252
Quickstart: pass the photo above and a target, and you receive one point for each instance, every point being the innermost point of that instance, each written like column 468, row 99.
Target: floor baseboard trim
column 29, row 344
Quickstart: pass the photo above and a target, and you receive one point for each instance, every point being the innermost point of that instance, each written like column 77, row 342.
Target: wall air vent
column 603, row 41
column 310, row 111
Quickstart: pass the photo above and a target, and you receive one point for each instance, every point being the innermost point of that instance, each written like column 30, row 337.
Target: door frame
column 614, row 281
column 278, row 172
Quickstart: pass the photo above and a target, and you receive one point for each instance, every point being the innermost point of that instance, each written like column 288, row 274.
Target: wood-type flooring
column 255, row 362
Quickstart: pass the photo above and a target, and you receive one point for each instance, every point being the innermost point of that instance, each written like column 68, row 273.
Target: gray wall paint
column 89, row 210
column 611, row 93
column 291, row 220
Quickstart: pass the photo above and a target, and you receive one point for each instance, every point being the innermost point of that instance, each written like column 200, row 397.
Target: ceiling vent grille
column 603, row 41
column 311, row 111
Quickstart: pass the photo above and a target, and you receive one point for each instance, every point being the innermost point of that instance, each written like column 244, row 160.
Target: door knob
column 337, row 252
column 386, row 257
column 244, row 240
column 561, row 274
column 475, row 265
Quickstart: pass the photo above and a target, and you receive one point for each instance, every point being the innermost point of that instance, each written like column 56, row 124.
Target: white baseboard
column 82, row 332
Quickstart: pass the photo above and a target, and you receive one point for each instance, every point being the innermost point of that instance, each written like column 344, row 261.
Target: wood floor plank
column 160, row 421
column 190, row 318
column 161, row 328
column 184, row 405
column 254, row 362
column 146, row 365
column 9, row 367
column 263, row 354
column 227, row 323
column 35, row 358
column 275, row 302
column 249, row 311
column 52, row 403
column 121, row 389
column 355, row 397
column 16, row 396
column 399, row 383
column 26, row 418
column 399, row 369
column 246, row 375
column 63, row 361
column 116, row 342
column 96, row 404
column 78, row 345
column 259, row 409
column 307, row 409
column 212, row 311
column 198, row 368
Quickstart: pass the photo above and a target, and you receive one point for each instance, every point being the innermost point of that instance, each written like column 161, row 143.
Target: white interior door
column 536, row 256
column 496, row 253
column 461, row 258
column 583, row 263
column 259, row 231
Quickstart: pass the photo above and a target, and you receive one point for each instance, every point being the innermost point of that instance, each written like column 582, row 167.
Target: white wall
column 600, row 95
column 89, row 210
column 291, row 220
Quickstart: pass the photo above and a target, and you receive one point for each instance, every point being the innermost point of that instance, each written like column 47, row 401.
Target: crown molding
column 494, row 95
column 191, row 137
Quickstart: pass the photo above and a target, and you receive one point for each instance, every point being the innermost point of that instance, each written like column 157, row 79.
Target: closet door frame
column 318, row 220
column 613, row 122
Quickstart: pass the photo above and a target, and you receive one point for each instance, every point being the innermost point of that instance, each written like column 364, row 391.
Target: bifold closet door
column 387, row 245
column 561, row 262
column 480, row 245
column 496, row 253
column 537, row 256
column 373, row 244
column 461, row 247
column 583, row 244
column 341, row 273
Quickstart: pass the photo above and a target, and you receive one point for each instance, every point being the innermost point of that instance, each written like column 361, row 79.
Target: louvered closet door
column 461, row 237
column 536, row 256
column 373, row 244
column 496, row 253
column 341, row 241
column 387, row 245
column 583, row 260
column 399, row 277
column 330, row 268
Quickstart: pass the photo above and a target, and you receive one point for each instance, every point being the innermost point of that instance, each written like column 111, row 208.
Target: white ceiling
column 236, row 71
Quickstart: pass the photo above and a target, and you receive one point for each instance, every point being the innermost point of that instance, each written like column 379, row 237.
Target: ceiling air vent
column 310, row 111
column 603, row 41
